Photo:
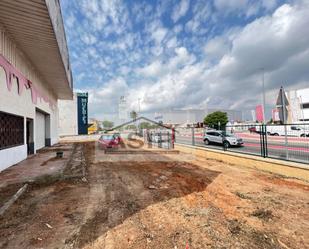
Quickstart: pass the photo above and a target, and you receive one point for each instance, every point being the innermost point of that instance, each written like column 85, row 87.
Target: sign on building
column 82, row 113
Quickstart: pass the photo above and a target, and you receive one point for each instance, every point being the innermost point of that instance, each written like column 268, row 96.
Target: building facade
column 34, row 73
column 298, row 108
column 73, row 115
column 190, row 116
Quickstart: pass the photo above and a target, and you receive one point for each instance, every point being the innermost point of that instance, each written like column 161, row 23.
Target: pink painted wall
column 23, row 82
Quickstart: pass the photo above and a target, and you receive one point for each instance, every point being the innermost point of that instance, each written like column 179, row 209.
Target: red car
column 108, row 141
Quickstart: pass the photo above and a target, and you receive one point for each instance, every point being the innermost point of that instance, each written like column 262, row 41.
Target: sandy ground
column 158, row 200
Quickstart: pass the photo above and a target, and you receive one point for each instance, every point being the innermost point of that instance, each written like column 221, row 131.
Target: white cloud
column 228, row 5
column 172, row 43
column 155, row 69
column 159, row 34
column 201, row 13
column 178, row 28
column 186, row 64
column 180, row 10
column 216, row 48
column 89, row 39
column 279, row 43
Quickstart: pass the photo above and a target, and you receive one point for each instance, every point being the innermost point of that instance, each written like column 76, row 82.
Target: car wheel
column 226, row 144
column 206, row 142
column 303, row 135
column 276, row 134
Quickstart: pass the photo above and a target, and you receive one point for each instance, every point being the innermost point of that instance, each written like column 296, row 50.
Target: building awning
column 37, row 28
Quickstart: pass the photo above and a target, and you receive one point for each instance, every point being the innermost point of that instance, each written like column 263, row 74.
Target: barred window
column 11, row 130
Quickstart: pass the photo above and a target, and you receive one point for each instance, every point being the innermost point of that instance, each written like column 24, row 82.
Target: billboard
column 275, row 114
column 82, row 113
column 259, row 113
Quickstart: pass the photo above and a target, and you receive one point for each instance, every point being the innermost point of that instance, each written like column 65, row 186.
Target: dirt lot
column 154, row 200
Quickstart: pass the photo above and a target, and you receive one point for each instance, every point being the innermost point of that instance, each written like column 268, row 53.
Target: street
column 297, row 148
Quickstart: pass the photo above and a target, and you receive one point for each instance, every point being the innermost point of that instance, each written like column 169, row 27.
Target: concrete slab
column 43, row 163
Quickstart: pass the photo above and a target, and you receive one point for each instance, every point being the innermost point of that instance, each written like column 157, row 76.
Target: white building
column 190, row 116
column 298, row 105
column 73, row 115
column 68, row 125
column 34, row 73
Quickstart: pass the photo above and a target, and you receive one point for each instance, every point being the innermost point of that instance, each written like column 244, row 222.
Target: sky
column 186, row 53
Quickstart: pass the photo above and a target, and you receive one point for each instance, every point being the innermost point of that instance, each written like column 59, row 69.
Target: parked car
column 291, row 130
column 224, row 138
column 107, row 141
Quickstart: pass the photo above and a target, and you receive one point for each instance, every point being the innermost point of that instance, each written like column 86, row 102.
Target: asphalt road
column 297, row 149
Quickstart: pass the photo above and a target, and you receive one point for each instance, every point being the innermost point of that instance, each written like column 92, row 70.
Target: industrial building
column 34, row 73
column 191, row 116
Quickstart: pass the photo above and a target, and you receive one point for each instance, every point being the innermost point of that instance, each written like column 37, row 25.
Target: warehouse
column 34, row 73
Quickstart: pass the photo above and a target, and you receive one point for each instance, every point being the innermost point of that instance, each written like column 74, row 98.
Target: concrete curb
column 287, row 169
column 13, row 199
column 252, row 157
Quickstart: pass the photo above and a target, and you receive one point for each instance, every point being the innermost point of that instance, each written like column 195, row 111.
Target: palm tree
column 133, row 115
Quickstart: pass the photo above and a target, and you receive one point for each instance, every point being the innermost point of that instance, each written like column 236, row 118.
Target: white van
column 291, row 130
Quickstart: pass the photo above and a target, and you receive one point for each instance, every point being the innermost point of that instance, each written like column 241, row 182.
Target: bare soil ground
column 158, row 201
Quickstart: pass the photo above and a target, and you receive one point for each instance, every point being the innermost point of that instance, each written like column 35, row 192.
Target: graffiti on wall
column 23, row 83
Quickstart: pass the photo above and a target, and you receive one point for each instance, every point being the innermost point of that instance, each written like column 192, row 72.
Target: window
column 305, row 105
column 294, row 128
column 212, row 133
column 11, row 130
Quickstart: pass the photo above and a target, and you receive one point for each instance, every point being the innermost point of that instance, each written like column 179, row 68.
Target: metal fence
column 287, row 142
column 160, row 138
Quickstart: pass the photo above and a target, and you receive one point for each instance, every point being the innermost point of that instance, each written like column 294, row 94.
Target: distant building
column 191, row 116
column 298, row 108
column 35, row 73
column 122, row 109
column 73, row 115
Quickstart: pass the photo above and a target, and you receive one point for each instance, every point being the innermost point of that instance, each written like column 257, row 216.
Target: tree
column 216, row 120
column 131, row 127
column 144, row 125
column 107, row 124
column 147, row 125
column 270, row 121
column 133, row 115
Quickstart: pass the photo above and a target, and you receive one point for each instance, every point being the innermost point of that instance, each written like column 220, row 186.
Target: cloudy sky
column 186, row 53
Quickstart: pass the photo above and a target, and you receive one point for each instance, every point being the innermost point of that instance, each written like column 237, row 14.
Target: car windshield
column 107, row 137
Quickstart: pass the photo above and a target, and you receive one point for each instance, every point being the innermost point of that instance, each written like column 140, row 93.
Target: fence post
column 193, row 138
column 266, row 144
column 173, row 138
column 261, row 140
column 160, row 140
column 286, row 142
